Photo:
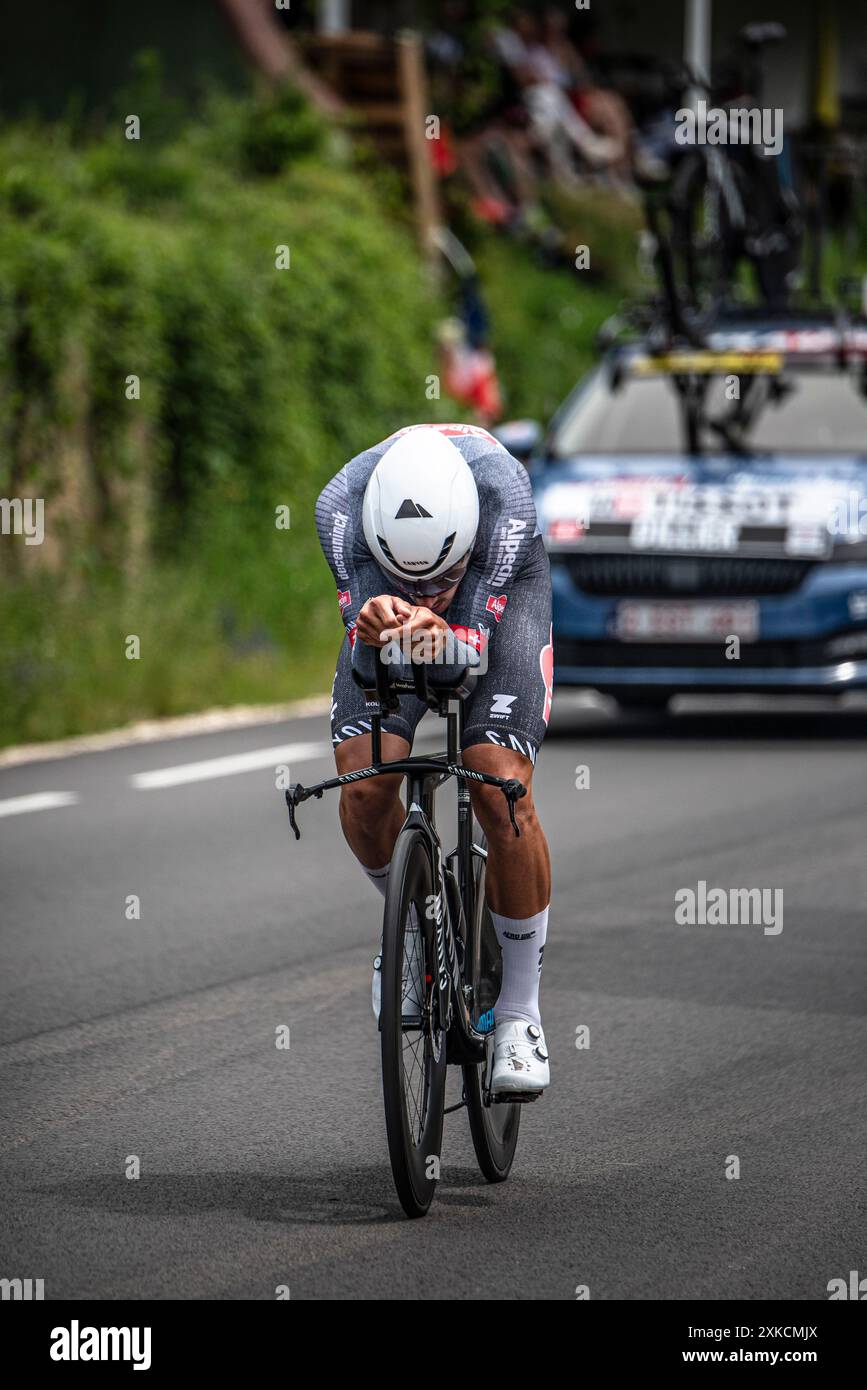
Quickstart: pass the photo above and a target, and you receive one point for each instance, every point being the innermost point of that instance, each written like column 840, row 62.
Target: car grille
column 706, row 656
column 667, row 576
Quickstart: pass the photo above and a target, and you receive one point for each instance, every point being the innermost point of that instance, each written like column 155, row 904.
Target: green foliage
column 157, row 260
column 281, row 132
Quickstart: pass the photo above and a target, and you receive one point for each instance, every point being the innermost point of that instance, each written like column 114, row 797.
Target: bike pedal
column 515, row 1098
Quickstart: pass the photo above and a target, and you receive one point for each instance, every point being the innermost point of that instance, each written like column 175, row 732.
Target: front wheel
column 413, row 1040
column 494, row 1127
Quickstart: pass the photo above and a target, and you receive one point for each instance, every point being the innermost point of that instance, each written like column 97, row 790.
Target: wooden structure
column 382, row 81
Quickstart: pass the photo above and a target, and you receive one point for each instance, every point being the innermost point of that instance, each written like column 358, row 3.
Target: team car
column 705, row 513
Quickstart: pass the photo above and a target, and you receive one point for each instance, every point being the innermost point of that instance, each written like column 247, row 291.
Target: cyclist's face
column 441, row 602
column 437, row 594
column 437, row 603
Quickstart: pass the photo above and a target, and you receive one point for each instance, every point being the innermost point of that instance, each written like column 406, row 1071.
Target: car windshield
column 815, row 414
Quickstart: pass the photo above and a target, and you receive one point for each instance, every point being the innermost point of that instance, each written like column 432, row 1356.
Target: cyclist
column 432, row 537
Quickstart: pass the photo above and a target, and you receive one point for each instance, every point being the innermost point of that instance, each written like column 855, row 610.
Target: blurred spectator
column 468, row 367
column 485, row 122
column 469, row 373
column 603, row 109
column 544, row 80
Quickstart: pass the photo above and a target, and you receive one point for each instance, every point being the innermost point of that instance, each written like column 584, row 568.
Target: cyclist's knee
column 492, row 813
column 490, row 806
column 365, row 803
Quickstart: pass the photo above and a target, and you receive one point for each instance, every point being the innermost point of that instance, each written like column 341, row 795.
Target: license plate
column 707, row 533
column 686, row 622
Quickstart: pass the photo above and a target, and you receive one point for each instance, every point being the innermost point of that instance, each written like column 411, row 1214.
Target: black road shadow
column 339, row 1197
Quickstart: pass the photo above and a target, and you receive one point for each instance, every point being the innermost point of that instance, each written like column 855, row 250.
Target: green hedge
column 156, row 258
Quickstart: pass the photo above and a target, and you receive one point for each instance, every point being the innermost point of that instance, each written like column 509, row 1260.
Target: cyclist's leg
column 519, row 869
column 371, row 813
column 505, row 723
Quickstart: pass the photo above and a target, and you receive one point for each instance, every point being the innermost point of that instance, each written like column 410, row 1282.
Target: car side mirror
column 521, row 437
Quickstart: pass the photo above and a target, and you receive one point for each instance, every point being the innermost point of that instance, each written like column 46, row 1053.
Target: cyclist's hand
column 423, row 634
column 380, row 617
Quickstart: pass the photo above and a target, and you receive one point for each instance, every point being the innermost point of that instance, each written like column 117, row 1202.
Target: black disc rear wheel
column 494, row 1127
column 413, row 1042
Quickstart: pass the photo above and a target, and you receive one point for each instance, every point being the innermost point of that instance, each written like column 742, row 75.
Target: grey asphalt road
column 260, row 1167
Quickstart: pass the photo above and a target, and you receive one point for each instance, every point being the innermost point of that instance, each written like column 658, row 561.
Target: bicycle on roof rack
column 440, row 957
column 723, row 204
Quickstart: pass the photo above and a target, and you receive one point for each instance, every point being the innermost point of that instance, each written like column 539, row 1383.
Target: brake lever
column 292, row 803
column 294, row 796
column 513, row 790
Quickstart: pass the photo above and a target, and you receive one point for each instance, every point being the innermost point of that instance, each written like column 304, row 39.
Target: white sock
column 522, row 941
column 413, row 989
column 379, row 877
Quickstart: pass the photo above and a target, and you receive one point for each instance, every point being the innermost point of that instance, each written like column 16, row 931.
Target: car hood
column 796, row 506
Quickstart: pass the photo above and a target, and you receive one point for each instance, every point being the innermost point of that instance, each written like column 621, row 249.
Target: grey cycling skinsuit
column 502, row 607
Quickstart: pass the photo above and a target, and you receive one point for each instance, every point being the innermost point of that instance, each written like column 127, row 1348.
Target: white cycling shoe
column 520, row 1058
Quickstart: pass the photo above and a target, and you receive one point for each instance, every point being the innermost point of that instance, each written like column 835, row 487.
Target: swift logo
column 344, row 598
column 503, row 704
column 76, row 1343
column 510, row 541
column 496, row 604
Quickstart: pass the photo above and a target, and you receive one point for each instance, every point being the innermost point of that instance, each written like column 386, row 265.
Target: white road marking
column 214, row 721
column 37, row 801
column 248, row 762
column 230, row 765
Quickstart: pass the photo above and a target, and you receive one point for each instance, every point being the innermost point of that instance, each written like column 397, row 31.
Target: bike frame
column 424, row 776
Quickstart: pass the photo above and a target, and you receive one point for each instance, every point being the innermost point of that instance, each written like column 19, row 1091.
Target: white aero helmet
column 421, row 512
